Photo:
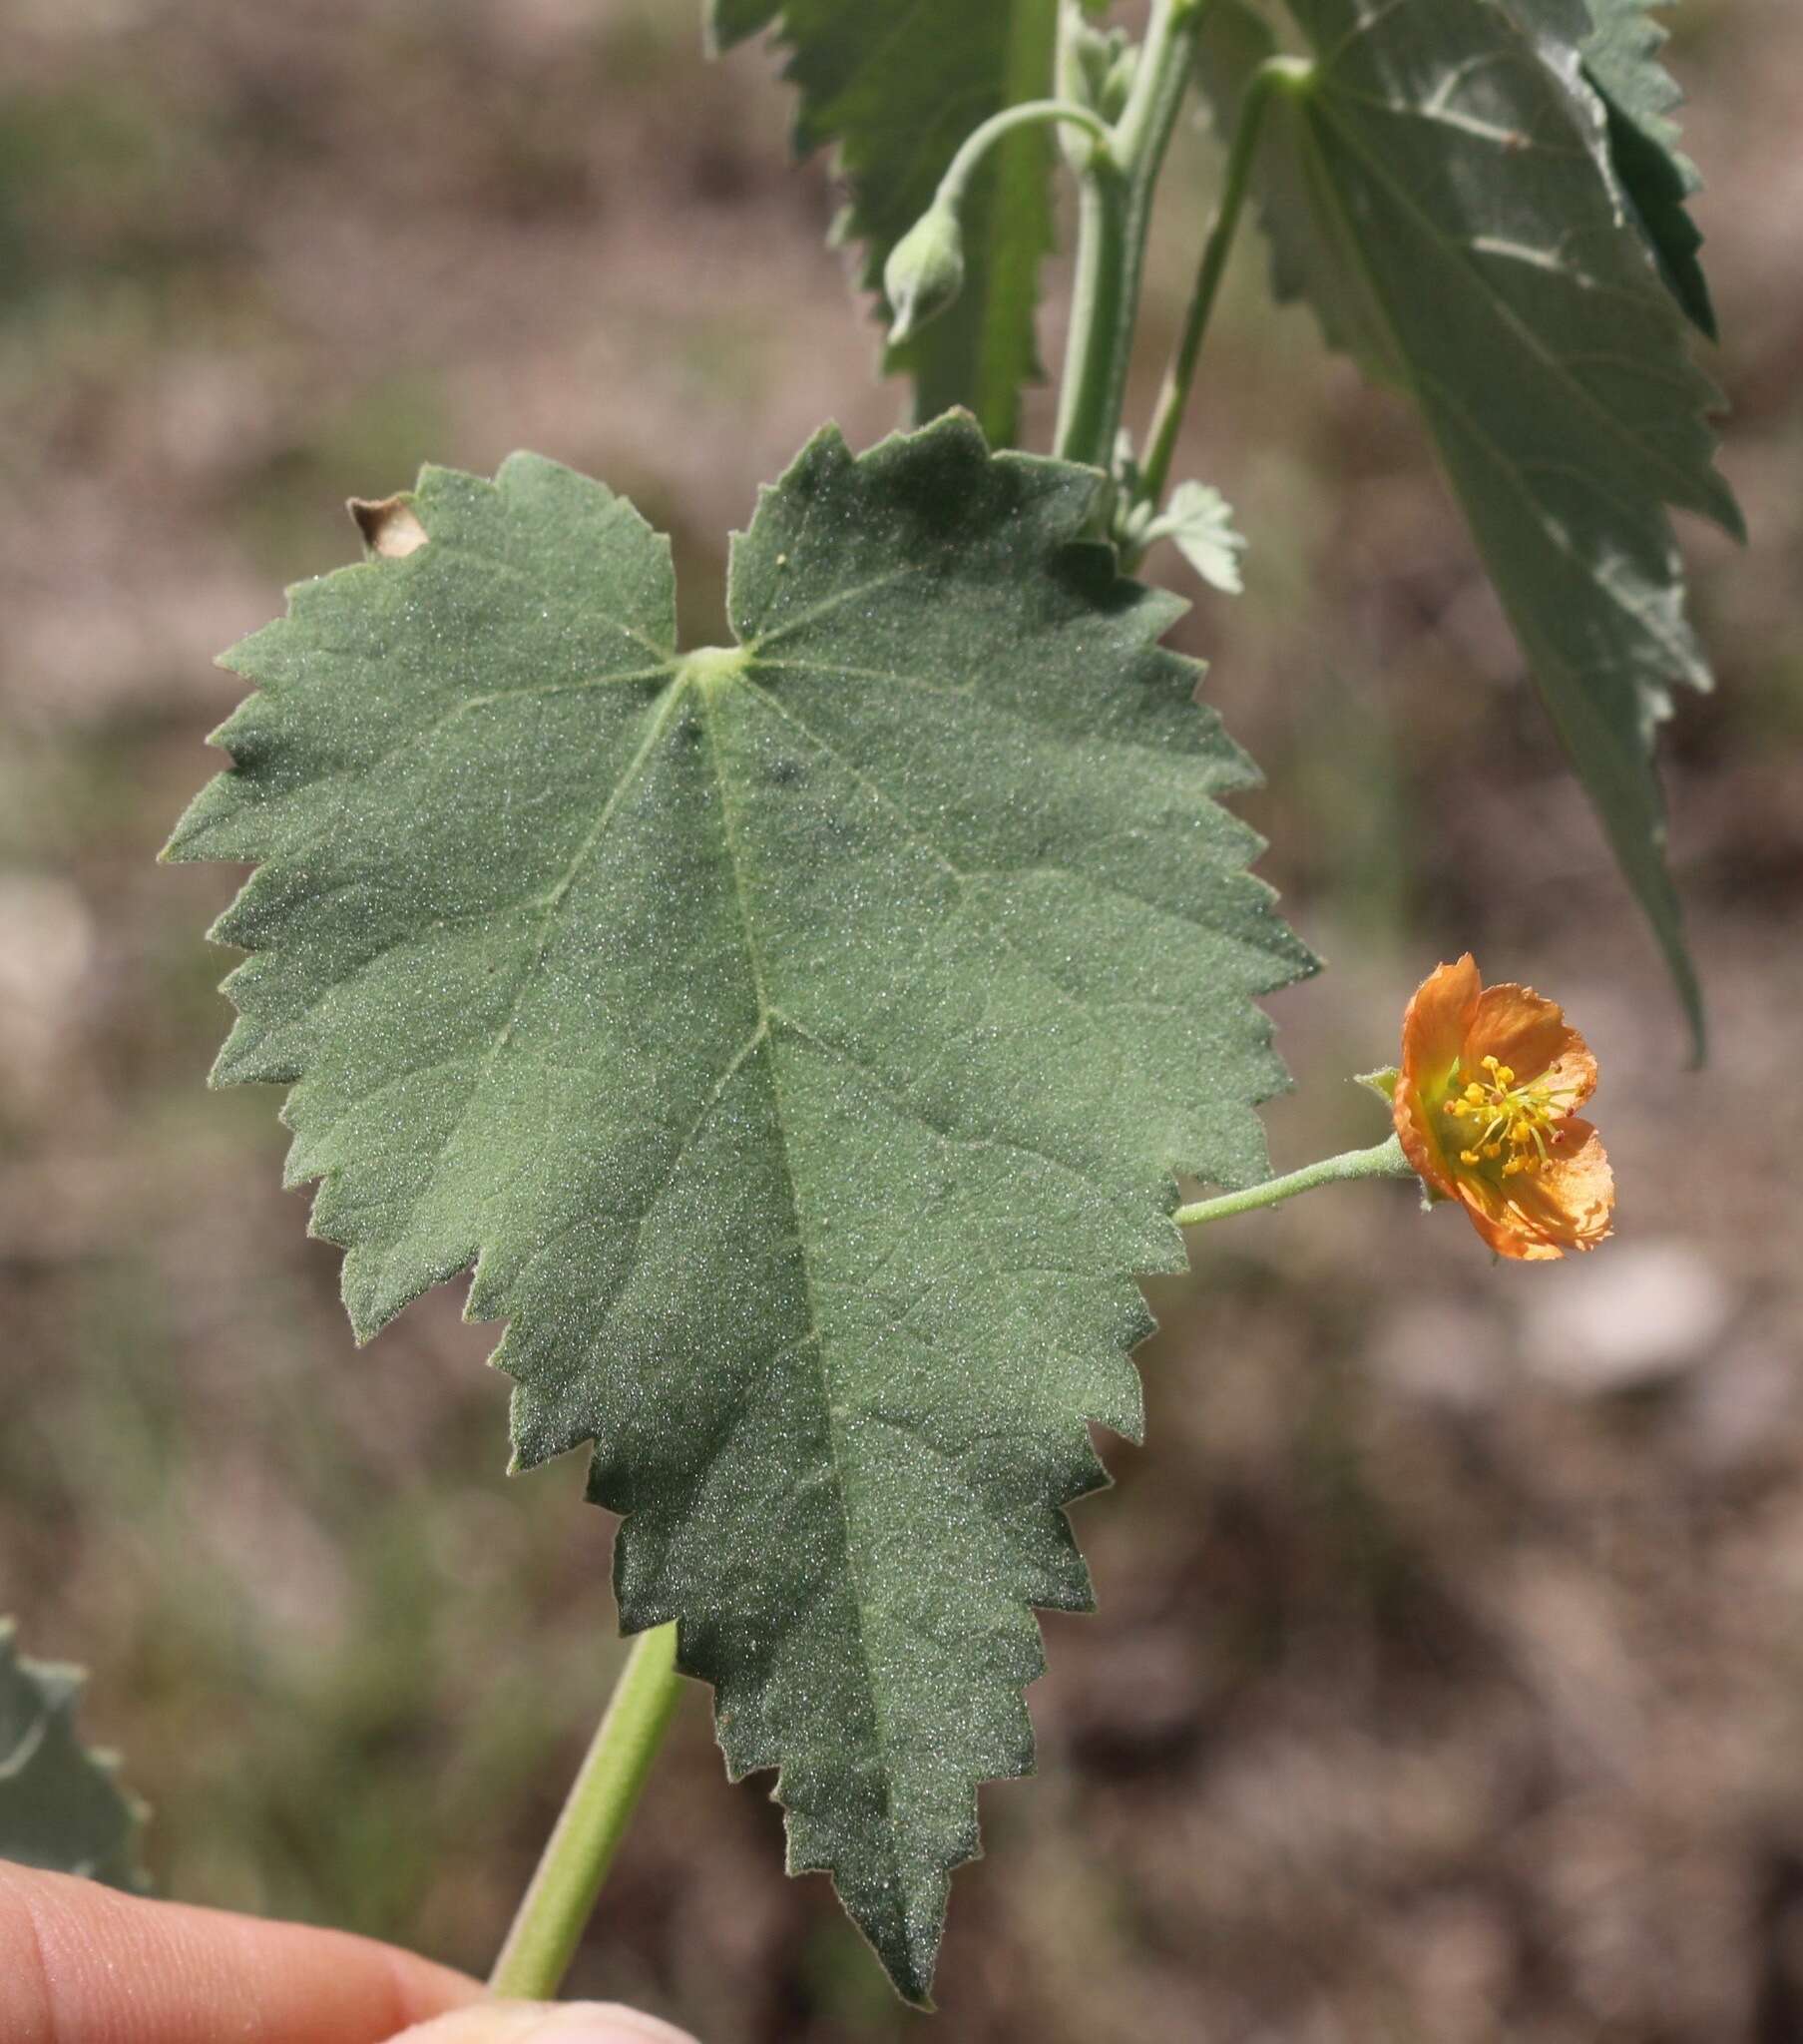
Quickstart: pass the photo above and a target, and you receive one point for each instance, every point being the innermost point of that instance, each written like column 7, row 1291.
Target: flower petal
column 1530, row 1034
column 1498, row 1219
column 1434, row 1027
column 1574, row 1200
column 1420, row 1144
column 1537, row 1217
column 1571, row 1076
column 1436, row 1023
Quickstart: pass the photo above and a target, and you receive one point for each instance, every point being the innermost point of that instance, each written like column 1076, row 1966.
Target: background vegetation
column 1448, row 1681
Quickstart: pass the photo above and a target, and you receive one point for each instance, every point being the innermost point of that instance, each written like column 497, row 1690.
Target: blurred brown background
column 1448, row 1678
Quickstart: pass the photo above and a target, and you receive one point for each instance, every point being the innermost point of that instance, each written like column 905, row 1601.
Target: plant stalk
column 1382, row 1160
column 1117, row 186
column 556, row 1906
column 1275, row 74
column 1029, row 113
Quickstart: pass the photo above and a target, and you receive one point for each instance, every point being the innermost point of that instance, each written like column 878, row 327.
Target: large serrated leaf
column 60, row 1807
column 898, row 91
column 1434, row 192
column 800, row 1038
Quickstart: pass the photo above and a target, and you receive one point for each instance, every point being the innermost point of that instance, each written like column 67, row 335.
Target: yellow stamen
column 1513, row 1125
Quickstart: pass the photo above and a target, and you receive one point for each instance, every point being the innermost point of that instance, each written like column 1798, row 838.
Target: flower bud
column 1103, row 68
column 1117, row 86
column 925, row 271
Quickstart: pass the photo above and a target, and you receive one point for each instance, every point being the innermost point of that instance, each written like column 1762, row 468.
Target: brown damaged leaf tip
column 391, row 529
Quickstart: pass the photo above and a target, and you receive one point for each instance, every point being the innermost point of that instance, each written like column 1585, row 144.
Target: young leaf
column 898, row 97
column 1431, row 190
column 1200, row 521
column 1620, row 57
column 60, row 1806
column 798, row 1036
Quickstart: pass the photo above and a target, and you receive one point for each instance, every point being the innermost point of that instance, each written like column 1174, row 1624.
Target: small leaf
column 1435, row 191
column 898, row 93
column 802, row 1037
column 1200, row 520
column 60, row 1805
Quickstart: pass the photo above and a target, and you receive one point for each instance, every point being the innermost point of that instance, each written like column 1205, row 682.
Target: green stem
column 1088, row 416
column 962, row 167
column 1382, row 1160
column 556, row 1906
column 1274, row 75
column 1114, row 215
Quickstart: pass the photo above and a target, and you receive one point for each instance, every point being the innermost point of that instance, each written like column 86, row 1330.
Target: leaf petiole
column 1382, row 1160
column 557, row 1905
column 1276, row 75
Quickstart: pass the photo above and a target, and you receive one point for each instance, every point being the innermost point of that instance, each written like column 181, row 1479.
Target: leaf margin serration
column 639, row 1608
column 1304, row 264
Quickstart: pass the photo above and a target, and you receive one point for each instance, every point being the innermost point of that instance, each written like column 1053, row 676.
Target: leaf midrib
column 767, row 1016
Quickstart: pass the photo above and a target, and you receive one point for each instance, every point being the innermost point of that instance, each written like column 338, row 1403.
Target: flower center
column 1502, row 1123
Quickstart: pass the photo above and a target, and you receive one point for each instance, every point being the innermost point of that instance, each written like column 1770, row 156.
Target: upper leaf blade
column 1611, row 48
column 1434, row 192
column 898, row 94
column 60, row 1807
column 800, row 1037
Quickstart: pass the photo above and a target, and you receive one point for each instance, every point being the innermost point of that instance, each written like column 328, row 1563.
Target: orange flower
column 1483, row 1110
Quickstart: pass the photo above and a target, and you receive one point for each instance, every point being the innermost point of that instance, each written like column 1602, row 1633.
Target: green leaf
column 898, row 94
column 800, row 1037
column 60, row 1805
column 1431, row 190
column 1200, row 521
column 1620, row 62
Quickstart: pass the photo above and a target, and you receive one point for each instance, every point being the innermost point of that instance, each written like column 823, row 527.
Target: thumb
column 545, row 2022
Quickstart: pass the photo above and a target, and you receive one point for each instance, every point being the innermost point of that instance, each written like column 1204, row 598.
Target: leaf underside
column 799, row 1038
column 1436, row 195
column 898, row 94
column 60, row 1805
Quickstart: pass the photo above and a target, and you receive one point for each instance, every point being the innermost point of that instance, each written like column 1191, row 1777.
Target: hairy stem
column 556, row 1906
column 1087, row 416
column 1275, row 74
column 1117, row 187
column 1382, row 1160
column 962, row 167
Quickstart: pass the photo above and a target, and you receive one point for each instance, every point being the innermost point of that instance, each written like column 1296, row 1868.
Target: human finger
column 81, row 1961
